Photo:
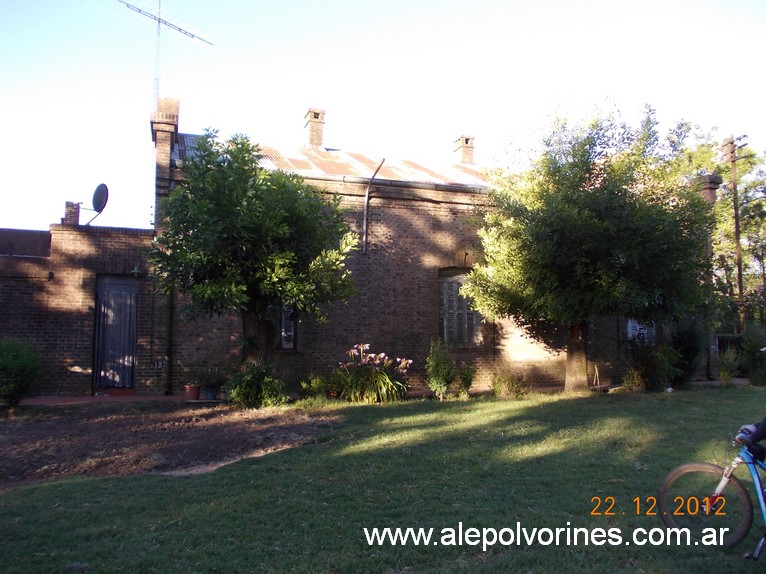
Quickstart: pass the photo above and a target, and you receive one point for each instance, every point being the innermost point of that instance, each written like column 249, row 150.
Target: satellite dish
column 100, row 197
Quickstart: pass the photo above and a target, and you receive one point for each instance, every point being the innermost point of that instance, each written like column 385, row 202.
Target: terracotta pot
column 191, row 392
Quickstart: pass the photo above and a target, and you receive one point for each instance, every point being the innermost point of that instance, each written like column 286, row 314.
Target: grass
column 483, row 463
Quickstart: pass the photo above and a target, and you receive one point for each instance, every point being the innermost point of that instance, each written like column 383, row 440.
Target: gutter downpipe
column 366, row 206
column 169, row 312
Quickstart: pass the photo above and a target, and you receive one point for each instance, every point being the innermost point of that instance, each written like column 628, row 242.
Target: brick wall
column 50, row 301
column 412, row 234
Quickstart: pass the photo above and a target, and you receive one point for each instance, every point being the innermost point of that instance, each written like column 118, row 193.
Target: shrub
column 441, row 368
column 19, row 367
column 314, row 386
column 505, row 386
column 253, row 387
column 633, row 381
column 689, row 341
column 655, row 365
column 467, row 373
column 728, row 365
column 753, row 359
column 369, row 377
column 272, row 392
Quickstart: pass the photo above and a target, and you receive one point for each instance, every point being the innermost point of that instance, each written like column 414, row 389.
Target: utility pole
column 730, row 148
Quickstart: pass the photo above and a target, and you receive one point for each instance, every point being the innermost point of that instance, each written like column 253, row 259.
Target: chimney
column 708, row 184
column 315, row 123
column 465, row 147
column 71, row 214
column 164, row 124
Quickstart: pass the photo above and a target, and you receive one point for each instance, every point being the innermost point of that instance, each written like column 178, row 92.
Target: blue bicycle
column 708, row 499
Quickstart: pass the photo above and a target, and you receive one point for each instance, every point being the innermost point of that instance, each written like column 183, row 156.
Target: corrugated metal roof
column 313, row 161
column 318, row 161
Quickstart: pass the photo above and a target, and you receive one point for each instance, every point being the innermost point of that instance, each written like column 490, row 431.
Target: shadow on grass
column 544, row 462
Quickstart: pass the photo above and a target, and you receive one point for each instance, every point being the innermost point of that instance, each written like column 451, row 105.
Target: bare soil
column 107, row 439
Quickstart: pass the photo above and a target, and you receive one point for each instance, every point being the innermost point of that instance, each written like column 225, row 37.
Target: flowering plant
column 371, row 377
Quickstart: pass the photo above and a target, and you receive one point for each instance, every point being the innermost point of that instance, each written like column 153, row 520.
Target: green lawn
column 483, row 463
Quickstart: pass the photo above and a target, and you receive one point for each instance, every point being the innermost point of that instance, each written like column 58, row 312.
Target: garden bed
column 119, row 439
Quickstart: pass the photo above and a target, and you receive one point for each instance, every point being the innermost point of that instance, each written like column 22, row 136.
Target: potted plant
column 191, row 392
column 210, row 380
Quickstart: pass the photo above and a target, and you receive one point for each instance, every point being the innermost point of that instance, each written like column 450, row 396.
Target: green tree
column 751, row 183
column 602, row 224
column 236, row 236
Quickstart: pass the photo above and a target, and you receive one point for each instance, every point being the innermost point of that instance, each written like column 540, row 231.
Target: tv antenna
column 160, row 23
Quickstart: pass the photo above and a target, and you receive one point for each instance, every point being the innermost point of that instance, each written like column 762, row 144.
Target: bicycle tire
column 688, row 486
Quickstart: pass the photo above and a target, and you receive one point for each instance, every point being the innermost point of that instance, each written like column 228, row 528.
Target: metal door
column 114, row 362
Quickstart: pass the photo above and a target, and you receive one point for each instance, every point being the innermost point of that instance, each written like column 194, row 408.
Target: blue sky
column 399, row 79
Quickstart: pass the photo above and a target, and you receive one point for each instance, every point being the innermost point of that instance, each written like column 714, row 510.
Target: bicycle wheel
column 684, row 502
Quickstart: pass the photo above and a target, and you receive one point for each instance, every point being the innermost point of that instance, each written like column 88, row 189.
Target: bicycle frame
column 753, row 465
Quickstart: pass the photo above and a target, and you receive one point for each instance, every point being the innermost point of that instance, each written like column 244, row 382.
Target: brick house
column 83, row 297
column 418, row 240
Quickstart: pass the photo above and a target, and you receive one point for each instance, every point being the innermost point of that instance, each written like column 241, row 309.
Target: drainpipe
column 169, row 309
column 367, row 204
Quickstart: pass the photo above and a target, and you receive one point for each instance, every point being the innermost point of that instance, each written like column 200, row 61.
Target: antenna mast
column 161, row 22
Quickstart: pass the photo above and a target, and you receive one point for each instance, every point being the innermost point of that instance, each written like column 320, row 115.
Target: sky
column 398, row 79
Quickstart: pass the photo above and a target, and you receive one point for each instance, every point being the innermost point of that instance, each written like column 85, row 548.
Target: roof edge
column 465, row 188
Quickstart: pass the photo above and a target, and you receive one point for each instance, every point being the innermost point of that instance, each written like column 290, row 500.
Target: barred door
column 114, row 361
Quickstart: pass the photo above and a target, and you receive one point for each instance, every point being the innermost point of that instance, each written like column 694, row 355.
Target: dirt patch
column 124, row 439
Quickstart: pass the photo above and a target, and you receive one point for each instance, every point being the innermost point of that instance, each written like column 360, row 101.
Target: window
column 460, row 326
column 288, row 327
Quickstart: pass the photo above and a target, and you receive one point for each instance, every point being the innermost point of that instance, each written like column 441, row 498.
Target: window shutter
column 448, row 312
column 460, row 325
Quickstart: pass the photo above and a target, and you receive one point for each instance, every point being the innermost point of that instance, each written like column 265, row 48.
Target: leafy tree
column 239, row 237
column 601, row 224
column 751, row 183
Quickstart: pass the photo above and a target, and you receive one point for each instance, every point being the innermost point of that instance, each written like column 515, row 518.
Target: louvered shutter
column 460, row 325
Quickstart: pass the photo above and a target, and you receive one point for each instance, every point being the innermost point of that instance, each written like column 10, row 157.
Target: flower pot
column 191, row 392
column 209, row 393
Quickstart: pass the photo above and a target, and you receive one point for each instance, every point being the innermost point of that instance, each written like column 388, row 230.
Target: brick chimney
column 164, row 123
column 708, row 184
column 465, row 147
column 71, row 214
column 315, row 123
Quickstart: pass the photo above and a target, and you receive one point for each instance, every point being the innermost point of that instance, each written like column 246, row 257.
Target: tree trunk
column 577, row 359
column 258, row 333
